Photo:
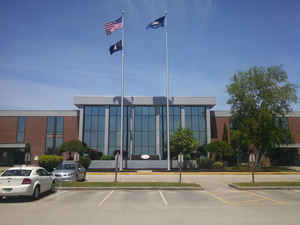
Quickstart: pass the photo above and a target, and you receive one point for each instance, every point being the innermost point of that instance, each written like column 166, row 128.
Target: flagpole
column 122, row 95
column 167, row 92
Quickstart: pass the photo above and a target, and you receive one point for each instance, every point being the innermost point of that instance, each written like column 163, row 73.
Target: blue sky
column 51, row 51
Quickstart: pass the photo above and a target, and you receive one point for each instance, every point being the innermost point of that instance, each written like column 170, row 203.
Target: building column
column 131, row 132
column 182, row 113
column 106, row 133
column 80, row 130
column 157, row 115
column 208, row 129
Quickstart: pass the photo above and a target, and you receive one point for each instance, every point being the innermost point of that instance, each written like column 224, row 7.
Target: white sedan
column 26, row 181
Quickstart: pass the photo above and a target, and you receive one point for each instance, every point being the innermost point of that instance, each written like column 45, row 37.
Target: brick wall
column 70, row 128
column 8, row 129
column 294, row 126
column 35, row 134
column 220, row 121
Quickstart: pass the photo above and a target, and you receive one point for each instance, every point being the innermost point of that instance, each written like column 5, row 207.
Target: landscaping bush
column 107, row 157
column 94, row 154
column 85, row 161
column 205, row 163
column 218, row 165
column 49, row 161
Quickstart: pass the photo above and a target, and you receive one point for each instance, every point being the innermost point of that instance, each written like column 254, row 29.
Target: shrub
column 205, row 163
column 94, row 154
column 73, row 146
column 85, row 161
column 218, row 165
column 107, row 157
column 49, row 161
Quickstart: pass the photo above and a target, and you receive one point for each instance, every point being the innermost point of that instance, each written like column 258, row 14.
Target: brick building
column 97, row 124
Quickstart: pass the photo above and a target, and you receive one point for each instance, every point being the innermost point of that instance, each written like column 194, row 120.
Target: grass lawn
column 273, row 183
column 263, row 169
column 125, row 184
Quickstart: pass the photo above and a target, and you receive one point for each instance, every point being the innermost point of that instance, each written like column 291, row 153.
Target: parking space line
column 163, row 198
column 266, row 198
column 218, row 197
column 106, row 197
column 56, row 195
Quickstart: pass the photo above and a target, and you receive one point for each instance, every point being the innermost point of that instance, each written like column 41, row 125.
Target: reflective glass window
column 195, row 119
column 115, row 128
column 54, row 132
column 21, row 129
column 144, row 130
column 94, row 127
column 175, row 123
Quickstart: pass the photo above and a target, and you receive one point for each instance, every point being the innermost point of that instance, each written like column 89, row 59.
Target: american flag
column 113, row 25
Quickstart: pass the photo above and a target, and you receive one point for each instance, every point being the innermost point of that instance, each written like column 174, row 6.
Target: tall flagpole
column 122, row 96
column 167, row 91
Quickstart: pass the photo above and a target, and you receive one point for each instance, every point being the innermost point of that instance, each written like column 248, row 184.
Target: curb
column 130, row 188
column 192, row 173
column 264, row 187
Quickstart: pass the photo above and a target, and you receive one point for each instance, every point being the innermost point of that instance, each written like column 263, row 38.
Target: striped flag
column 113, row 25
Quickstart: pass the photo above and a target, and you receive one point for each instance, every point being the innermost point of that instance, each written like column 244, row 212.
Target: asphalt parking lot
column 222, row 206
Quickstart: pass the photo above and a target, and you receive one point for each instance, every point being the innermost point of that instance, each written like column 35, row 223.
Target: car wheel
column 53, row 187
column 36, row 193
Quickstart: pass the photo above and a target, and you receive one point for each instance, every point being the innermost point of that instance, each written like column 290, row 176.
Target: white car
column 26, row 181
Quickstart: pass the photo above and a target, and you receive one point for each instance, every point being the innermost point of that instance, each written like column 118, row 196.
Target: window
column 144, row 130
column 94, row 127
column 21, row 129
column 16, row 173
column 55, row 131
column 282, row 122
column 195, row 119
column 114, row 128
column 175, row 123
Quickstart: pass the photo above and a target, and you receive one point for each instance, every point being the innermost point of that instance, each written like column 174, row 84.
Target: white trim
column 80, row 133
column 222, row 113
column 293, row 114
column 38, row 112
column 13, row 145
column 228, row 114
column 79, row 101
column 208, row 129
column 290, row 146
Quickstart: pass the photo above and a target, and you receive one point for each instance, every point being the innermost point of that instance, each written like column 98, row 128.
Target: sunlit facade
column 145, row 123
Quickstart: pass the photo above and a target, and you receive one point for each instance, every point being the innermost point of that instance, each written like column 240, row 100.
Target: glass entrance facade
column 145, row 127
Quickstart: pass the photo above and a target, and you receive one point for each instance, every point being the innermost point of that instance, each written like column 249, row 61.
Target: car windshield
column 17, row 173
column 66, row 167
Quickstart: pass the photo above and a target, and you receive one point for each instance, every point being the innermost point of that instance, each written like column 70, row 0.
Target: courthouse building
column 96, row 122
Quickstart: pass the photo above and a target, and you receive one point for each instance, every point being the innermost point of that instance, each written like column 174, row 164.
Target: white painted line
column 296, row 190
column 163, row 198
column 57, row 194
column 106, row 197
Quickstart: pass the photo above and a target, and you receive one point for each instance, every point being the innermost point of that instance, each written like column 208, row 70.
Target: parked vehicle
column 69, row 171
column 26, row 181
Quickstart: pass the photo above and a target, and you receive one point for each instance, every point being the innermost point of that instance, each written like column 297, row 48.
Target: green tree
column 225, row 134
column 73, row 146
column 221, row 149
column 259, row 98
column 183, row 141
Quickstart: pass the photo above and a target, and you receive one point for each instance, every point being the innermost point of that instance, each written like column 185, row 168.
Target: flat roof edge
column 38, row 112
column 79, row 101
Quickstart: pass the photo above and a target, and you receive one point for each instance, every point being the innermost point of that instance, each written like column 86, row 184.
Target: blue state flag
column 160, row 22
